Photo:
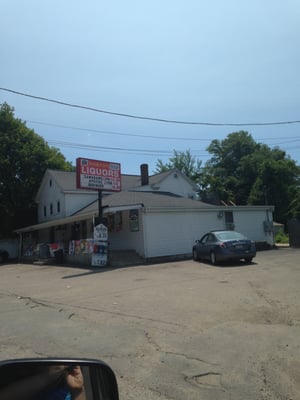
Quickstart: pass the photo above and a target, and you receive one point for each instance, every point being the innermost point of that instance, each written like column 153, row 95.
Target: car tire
column 195, row 255
column 3, row 257
column 248, row 260
column 213, row 258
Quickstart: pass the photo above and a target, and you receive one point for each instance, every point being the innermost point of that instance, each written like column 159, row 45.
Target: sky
column 217, row 61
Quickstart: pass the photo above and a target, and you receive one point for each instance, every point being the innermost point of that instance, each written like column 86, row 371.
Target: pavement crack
column 275, row 312
column 152, row 342
column 161, row 394
column 119, row 314
column 54, row 305
column 208, row 379
column 185, row 356
column 158, row 348
column 35, row 302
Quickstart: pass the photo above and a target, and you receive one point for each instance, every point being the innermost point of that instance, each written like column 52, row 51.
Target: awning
column 77, row 217
column 55, row 222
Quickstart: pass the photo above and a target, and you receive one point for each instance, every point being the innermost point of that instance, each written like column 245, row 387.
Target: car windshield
column 230, row 235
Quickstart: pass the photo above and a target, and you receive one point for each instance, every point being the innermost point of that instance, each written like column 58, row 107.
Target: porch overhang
column 77, row 217
column 115, row 209
column 55, row 222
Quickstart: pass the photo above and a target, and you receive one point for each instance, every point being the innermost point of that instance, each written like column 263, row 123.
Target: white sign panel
column 100, row 232
column 99, row 256
column 100, row 248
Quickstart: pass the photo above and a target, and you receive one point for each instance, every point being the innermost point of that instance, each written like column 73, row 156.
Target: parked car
column 217, row 246
column 3, row 256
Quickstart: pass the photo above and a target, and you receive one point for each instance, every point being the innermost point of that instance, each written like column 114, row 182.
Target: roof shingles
column 148, row 200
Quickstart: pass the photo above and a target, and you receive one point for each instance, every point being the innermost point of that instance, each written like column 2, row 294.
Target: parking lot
column 171, row 331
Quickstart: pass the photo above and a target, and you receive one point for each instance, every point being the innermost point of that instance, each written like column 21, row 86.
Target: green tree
column 246, row 172
column 184, row 162
column 277, row 177
column 294, row 206
column 24, row 157
column 223, row 178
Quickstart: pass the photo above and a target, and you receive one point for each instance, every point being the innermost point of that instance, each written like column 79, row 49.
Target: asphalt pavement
column 171, row 331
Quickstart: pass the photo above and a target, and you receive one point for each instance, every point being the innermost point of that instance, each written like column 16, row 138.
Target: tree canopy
column 246, row 172
column 184, row 162
column 24, row 158
column 243, row 171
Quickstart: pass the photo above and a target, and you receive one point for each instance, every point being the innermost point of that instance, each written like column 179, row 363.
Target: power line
column 145, row 152
column 95, row 147
column 118, row 149
column 140, row 152
column 96, row 131
column 170, row 121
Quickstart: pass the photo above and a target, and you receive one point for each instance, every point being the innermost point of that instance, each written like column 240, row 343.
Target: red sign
column 98, row 175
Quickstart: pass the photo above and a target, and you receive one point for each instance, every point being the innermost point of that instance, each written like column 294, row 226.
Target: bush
column 281, row 237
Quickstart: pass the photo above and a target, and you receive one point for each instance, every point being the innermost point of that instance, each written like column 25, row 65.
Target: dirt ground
column 173, row 331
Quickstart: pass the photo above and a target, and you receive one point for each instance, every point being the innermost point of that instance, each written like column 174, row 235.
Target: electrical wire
column 95, row 147
column 96, row 131
column 142, row 136
column 157, row 153
column 170, row 121
column 118, row 149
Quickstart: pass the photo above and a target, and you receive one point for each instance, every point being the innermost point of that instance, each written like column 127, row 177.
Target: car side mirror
column 43, row 379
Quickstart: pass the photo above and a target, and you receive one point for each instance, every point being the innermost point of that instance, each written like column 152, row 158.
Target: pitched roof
column 67, row 179
column 130, row 181
column 159, row 177
column 134, row 181
column 150, row 200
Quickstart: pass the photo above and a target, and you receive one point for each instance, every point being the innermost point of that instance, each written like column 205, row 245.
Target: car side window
column 204, row 239
column 210, row 238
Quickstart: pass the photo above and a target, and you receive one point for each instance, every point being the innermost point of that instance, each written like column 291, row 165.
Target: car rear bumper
column 236, row 256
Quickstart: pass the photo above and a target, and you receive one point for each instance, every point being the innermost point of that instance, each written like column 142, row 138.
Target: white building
column 154, row 216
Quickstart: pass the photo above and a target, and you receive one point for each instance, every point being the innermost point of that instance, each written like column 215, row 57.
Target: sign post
column 100, row 176
column 100, row 209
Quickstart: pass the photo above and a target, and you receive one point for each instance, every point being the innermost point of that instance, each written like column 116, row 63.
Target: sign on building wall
column 134, row 220
column 98, row 175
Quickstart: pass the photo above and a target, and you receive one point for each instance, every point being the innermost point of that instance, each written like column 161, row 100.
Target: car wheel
column 3, row 256
column 195, row 255
column 248, row 260
column 213, row 258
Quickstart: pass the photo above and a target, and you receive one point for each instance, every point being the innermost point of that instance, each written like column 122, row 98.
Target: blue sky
column 208, row 61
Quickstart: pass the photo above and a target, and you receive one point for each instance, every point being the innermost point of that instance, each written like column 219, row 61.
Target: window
column 51, row 208
column 83, row 229
column 50, row 182
column 58, row 206
column 229, row 220
column 45, row 211
column 228, row 217
column 204, row 239
column 210, row 238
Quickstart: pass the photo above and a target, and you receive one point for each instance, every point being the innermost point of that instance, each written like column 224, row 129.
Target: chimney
column 144, row 174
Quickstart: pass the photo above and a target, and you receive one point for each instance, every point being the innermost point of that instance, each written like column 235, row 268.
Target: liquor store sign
column 98, row 175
